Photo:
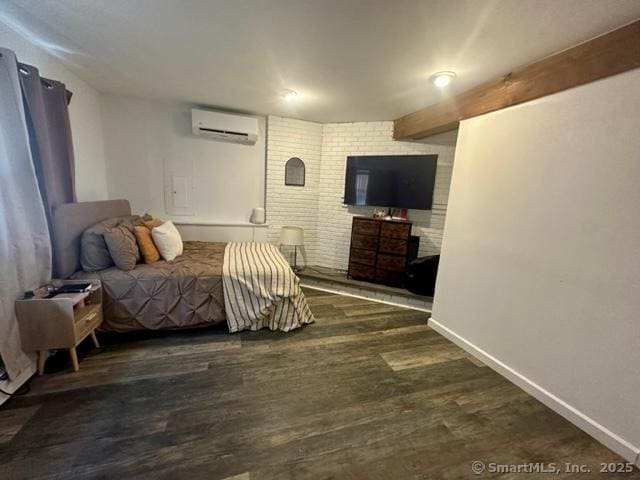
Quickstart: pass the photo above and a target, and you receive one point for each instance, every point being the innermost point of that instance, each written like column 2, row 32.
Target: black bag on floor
column 420, row 275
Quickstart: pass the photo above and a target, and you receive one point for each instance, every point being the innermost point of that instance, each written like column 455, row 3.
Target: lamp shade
column 291, row 235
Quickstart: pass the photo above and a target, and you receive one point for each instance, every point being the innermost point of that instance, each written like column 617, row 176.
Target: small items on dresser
column 60, row 318
column 391, row 214
column 400, row 214
column 379, row 213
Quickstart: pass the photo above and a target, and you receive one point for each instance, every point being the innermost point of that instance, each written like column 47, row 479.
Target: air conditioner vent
column 227, row 132
column 225, row 127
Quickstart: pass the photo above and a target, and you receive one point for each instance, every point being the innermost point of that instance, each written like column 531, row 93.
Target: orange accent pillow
column 145, row 244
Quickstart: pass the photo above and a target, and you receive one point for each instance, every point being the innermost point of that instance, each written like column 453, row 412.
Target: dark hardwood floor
column 367, row 392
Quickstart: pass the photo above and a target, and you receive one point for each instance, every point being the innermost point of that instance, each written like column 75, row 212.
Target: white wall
column 148, row 140
column 334, row 218
column 84, row 113
column 540, row 268
column 288, row 205
column 223, row 233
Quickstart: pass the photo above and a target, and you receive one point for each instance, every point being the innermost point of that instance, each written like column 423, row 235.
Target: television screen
column 396, row 181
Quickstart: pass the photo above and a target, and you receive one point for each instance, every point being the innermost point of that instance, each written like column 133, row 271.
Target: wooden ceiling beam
column 612, row 53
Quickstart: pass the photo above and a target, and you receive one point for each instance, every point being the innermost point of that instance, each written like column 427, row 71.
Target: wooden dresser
column 380, row 250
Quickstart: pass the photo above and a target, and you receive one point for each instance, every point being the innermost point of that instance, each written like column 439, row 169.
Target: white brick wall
column 318, row 207
column 298, row 206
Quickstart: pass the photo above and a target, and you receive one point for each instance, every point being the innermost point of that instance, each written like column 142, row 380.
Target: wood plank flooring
column 367, row 392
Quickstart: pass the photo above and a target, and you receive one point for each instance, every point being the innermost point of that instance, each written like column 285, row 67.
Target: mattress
column 184, row 293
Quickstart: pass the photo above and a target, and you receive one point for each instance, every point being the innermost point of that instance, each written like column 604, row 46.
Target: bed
column 261, row 290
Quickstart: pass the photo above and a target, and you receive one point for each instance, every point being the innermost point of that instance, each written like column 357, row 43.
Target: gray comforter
column 186, row 292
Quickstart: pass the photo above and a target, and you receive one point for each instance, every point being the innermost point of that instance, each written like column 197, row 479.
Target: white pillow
column 168, row 241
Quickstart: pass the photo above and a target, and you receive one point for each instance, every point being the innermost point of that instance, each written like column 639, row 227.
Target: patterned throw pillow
column 122, row 246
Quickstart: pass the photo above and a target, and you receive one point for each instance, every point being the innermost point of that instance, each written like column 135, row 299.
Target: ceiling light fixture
column 442, row 79
column 289, row 95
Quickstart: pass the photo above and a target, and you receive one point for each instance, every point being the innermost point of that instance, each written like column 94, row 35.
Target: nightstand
column 62, row 321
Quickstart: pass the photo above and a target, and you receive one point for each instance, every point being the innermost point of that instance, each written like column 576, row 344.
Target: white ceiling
column 348, row 59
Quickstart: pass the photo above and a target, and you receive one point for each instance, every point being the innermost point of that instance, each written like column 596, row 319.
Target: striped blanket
column 261, row 290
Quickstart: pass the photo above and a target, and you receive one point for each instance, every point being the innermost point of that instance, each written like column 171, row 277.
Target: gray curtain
column 47, row 115
column 25, row 249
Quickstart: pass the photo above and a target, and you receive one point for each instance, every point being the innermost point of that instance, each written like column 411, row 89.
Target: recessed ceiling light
column 442, row 79
column 289, row 95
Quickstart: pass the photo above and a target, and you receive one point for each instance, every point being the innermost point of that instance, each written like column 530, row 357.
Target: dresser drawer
column 362, row 271
column 364, row 242
column 365, row 226
column 391, row 262
column 366, row 257
column 392, row 245
column 86, row 319
column 395, row 230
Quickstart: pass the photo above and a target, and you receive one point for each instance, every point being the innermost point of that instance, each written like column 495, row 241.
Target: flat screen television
column 397, row 181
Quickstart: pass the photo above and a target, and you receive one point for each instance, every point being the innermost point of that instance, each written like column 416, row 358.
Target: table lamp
column 293, row 236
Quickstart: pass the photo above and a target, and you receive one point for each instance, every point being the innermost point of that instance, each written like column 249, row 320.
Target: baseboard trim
column 347, row 294
column 584, row 422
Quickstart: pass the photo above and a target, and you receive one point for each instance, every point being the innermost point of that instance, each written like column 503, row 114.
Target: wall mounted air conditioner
column 225, row 127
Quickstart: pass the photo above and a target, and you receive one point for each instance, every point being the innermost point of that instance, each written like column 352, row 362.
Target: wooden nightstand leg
column 42, row 357
column 95, row 339
column 74, row 359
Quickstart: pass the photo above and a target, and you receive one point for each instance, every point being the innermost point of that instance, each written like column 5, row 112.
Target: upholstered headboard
column 69, row 221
